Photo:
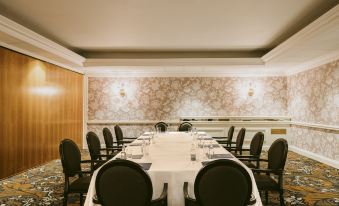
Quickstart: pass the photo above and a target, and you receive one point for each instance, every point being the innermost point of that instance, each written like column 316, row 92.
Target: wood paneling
column 40, row 104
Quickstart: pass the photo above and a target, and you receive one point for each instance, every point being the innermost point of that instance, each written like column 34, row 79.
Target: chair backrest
column 256, row 144
column 93, row 143
column 230, row 134
column 223, row 182
column 118, row 134
column 162, row 125
column 108, row 137
column 70, row 157
column 123, row 182
column 277, row 154
column 185, row 127
column 240, row 139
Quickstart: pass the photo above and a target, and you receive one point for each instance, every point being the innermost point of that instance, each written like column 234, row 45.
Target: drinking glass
column 128, row 153
column 193, row 154
column 123, row 153
column 211, row 151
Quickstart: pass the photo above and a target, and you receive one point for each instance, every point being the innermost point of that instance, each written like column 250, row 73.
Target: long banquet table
column 171, row 163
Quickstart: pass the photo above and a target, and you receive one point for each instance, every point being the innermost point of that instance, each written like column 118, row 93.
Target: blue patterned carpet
column 306, row 182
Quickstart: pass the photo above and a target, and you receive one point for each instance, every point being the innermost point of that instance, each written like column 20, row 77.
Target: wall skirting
column 315, row 156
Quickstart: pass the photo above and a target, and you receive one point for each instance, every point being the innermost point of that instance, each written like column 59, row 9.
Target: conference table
column 170, row 156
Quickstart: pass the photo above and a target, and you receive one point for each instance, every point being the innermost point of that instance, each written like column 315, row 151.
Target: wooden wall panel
column 40, row 104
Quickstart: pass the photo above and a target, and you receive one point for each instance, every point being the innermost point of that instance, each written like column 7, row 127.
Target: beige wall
column 313, row 97
column 310, row 97
column 160, row 98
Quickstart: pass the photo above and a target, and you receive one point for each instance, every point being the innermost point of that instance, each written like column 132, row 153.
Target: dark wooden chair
column 71, row 163
column 132, row 185
column 119, row 135
column 185, row 127
column 277, row 155
column 226, row 141
column 162, row 125
column 237, row 149
column 95, row 149
column 221, row 182
column 254, row 150
column 109, row 141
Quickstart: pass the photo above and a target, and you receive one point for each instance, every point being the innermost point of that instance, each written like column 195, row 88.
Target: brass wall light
column 250, row 90
column 122, row 91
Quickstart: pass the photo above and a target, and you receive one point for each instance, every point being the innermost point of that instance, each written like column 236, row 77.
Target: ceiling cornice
column 312, row 29
column 180, row 71
column 21, row 39
column 314, row 63
column 17, row 37
column 173, row 62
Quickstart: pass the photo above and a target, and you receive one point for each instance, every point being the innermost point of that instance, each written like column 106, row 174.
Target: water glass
column 211, row 151
column 123, row 153
column 128, row 153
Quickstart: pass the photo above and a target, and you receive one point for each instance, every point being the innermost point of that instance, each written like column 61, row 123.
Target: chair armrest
column 220, row 138
column 98, row 161
column 231, row 148
column 277, row 172
column 263, row 160
column 130, row 138
column 107, row 156
column 245, row 157
column 246, row 149
column 186, row 195
column 163, row 196
column 86, row 161
column 87, row 172
column 222, row 141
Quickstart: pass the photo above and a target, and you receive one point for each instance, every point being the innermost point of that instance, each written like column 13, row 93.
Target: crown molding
column 91, row 62
column 307, row 32
column 180, row 71
column 312, row 64
column 34, row 55
column 24, row 40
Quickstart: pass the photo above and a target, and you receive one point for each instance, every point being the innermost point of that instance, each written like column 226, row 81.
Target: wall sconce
column 122, row 91
column 250, row 90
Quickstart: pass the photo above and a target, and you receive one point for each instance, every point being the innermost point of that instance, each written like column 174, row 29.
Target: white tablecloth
column 171, row 163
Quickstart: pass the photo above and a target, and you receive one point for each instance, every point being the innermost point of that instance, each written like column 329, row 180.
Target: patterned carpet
column 306, row 182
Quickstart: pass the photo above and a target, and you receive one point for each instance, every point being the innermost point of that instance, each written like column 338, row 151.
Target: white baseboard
column 315, row 156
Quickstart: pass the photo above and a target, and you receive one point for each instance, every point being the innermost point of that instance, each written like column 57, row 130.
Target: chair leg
column 81, row 199
column 281, row 198
column 266, row 197
column 65, row 199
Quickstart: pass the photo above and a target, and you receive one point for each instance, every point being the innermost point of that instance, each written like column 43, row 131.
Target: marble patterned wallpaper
column 164, row 98
column 313, row 97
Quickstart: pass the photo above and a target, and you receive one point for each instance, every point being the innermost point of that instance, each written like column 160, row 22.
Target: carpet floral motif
column 306, row 182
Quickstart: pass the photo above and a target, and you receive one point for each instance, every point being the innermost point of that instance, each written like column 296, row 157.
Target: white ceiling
column 174, row 38
column 159, row 25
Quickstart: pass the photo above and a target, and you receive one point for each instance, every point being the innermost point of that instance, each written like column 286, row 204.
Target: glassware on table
column 128, row 153
column 123, row 153
column 193, row 154
column 158, row 129
column 205, row 150
column 145, row 147
column 210, row 151
column 195, row 131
